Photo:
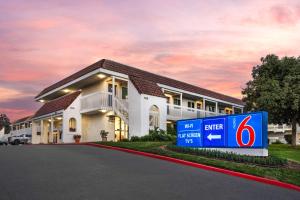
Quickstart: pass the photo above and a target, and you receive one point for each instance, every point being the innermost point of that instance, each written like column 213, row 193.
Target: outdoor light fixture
column 102, row 110
column 59, row 118
column 101, row 76
column 42, row 100
column 66, row 90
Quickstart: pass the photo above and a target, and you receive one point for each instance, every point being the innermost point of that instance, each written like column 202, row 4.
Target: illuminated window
column 72, row 125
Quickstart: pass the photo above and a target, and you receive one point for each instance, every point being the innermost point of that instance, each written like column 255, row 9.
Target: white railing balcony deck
column 96, row 101
column 175, row 112
column 277, row 128
column 27, row 131
column 104, row 101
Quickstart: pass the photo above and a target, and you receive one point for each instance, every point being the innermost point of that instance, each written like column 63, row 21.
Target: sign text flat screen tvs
column 228, row 131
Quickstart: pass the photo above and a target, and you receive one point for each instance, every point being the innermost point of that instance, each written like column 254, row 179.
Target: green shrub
column 135, row 139
column 171, row 130
column 277, row 142
column 288, row 139
column 154, row 135
column 264, row 161
column 124, row 140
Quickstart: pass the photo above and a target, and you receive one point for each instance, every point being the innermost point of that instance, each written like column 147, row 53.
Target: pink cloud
column 14, row 114
column 212, row 44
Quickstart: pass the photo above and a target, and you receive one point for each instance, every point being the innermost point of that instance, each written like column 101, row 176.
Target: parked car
column 20, row 139
column 4, row 140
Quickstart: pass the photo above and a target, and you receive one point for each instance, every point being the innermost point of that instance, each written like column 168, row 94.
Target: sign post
column 242, row 133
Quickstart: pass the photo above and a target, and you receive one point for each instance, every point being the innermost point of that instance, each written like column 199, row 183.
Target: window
column 153, row 117
column 177, row 102
column 110, row 88
column 72, row 125
column 124, row 92
column 191, row 104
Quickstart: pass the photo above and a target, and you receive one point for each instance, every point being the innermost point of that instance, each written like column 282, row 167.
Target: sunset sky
column 213, row 44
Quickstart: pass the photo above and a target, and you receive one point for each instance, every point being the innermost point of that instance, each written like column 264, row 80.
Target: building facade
column 121, row 100
column 21, row 126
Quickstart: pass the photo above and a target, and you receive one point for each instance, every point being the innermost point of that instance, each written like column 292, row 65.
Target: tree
column 275, row 88
column 4, row 122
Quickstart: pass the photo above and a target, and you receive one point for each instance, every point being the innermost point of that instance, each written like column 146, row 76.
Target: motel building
column 121, row 100
column 22, row 126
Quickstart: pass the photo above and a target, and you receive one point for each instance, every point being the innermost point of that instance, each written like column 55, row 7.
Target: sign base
column 242, row 151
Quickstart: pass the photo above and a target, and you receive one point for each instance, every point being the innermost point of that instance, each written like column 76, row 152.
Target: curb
column 202, row 166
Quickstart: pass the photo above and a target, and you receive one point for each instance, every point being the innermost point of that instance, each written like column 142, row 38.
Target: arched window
column 72, row 125
column 154, row 117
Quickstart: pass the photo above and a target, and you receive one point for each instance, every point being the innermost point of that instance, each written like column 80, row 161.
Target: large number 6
column 239, row 134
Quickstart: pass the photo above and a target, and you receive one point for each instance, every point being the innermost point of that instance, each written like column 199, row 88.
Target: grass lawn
column 285, row 151
column 283, row 174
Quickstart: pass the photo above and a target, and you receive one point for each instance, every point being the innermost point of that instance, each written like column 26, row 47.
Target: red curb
column 202, row 166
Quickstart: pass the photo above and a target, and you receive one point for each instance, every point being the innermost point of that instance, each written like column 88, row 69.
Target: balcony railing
column 279, row 128
column 175, row 112
column 27, row 131
column 104, row 101
column 96, row 101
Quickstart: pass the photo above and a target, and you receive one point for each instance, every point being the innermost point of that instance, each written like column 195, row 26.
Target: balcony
column 277, row 128
column 27, row 131
column 96, row 101
column 175, row 112
column 104, row 101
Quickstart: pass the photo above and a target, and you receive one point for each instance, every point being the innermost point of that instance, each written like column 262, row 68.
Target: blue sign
column 214, row 132
column 189, row 133
column 228, row 131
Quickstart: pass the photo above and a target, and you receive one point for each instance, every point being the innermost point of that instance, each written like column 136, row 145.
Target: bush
column 171, row 130
column 154, row 135
column 135, row 139
column 124, row 140
column 277, row 142
column 265, row 161
column 288, row 139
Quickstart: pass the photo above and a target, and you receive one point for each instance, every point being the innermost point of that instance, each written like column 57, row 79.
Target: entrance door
column 55, row 138
column 121, row 129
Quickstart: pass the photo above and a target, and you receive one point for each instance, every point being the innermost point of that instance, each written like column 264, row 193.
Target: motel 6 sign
column 228, row 131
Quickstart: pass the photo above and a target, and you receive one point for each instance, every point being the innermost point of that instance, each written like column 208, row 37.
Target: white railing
column 279, row 128
column 104, row 101
column 27, row 131
column 121, row 108
column 96, row 101
column 175, row 112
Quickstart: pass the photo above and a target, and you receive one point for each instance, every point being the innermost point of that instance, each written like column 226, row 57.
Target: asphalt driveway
column 84, row 172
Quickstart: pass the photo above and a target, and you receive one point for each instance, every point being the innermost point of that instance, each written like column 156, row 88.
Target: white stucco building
column 122, row 100
column 21, row 126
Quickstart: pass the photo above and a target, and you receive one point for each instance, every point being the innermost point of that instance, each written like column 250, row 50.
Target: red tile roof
column 146, row 87
column 148, row 77
column 58, row 104
column 28, row 118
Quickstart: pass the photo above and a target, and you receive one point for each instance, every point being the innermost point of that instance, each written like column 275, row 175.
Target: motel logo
column 242, row 129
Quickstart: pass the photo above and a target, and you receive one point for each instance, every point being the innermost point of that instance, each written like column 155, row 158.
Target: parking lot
column 84, row 172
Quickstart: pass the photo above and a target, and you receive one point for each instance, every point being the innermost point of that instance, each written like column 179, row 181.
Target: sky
column 212, row 44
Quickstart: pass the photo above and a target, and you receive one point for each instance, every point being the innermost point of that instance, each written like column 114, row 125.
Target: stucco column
column 204, row 107
column 51, row 130
column 181, row 105
column 113, row 93
column 42, row 131
column 232, row 109
column 217, row 108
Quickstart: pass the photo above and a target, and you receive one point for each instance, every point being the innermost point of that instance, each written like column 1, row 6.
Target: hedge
column 264, row 161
